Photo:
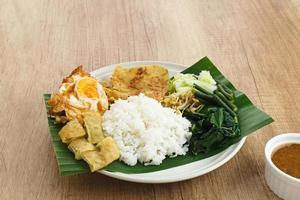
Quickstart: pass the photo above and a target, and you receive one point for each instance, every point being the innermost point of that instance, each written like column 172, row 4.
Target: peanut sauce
column 287, row 159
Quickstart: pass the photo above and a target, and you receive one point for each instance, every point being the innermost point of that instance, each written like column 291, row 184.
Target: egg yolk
column 87, row 87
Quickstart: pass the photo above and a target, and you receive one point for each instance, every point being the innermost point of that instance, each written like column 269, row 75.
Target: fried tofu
column 94, row 159
column 79, row 146
column 99, row 159
column 71, row 131
column 109, row 149
column 92, row 123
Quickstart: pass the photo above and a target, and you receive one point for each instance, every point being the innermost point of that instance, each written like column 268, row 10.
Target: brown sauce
column 287, row 159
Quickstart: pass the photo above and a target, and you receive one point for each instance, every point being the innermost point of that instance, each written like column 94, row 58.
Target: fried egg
column 78, row 93
column 91, row 93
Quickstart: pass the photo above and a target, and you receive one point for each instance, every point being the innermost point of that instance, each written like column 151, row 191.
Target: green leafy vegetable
column 216, row 99
column 185, row 82
column 211, row 128
column 182, row 83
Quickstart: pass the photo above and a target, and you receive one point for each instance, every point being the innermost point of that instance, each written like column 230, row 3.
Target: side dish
column 87, row 141
column 149, row 80
column 208, row 105
column 287, row 159
column 78, row 93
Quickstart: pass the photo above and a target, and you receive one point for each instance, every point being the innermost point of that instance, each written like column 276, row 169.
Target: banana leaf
column 250, row 119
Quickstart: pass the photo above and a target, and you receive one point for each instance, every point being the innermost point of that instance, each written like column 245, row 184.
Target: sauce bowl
column 282, row 184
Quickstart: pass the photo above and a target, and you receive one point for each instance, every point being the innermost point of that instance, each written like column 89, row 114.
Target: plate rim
column 130, row 177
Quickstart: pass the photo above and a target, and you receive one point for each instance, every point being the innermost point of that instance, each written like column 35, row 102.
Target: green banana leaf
column 250, row 119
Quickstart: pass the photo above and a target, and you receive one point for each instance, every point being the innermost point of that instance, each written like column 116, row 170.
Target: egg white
column 76, row 100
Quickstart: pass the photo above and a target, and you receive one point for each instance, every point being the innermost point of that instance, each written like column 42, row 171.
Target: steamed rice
column 145, row 131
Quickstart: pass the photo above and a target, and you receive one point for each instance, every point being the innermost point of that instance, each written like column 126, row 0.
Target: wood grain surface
column 256, row 44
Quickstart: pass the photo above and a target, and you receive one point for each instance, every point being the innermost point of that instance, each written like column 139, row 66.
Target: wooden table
column 255, row 43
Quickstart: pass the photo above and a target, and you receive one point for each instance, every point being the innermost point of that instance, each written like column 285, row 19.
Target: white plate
column 174, row 174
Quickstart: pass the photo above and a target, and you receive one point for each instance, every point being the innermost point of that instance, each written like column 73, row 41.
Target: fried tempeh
column 71, row 131
column 79, row 146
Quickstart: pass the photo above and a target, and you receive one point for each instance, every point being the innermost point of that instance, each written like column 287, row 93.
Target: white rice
column 145, row 131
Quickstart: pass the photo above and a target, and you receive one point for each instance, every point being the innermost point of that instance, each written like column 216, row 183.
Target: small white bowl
column 282, row 184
